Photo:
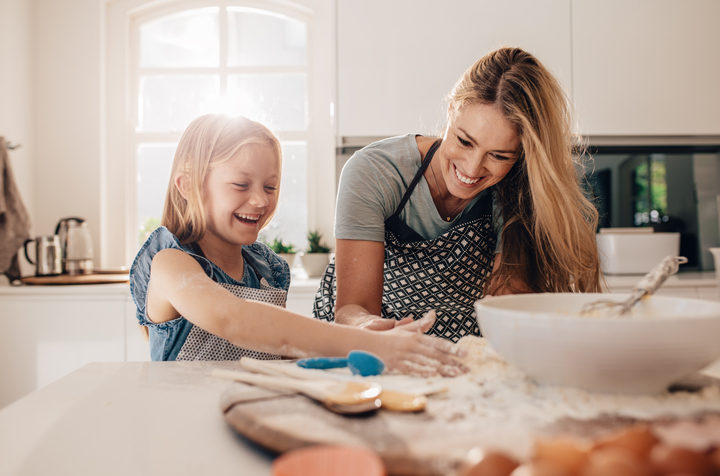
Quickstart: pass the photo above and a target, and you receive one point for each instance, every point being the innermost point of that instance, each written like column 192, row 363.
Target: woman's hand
column 412, row 352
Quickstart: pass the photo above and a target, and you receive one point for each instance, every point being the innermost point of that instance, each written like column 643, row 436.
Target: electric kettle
column 76, row 245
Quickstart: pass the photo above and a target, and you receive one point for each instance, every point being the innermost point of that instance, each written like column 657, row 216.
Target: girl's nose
column 259, row 199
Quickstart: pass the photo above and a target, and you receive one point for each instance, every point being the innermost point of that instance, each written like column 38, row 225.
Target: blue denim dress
column 266, row 278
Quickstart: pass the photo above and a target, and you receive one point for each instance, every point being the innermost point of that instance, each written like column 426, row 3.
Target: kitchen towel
column 14, row 218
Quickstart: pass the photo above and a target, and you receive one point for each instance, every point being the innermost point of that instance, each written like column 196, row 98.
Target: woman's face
column 240, row 194
column 479, row 148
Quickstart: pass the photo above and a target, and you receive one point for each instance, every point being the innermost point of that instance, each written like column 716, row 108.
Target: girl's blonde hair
column 548, row 236
column 208, row 141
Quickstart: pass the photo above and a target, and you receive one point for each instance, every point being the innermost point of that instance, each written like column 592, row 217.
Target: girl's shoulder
column 268, row 264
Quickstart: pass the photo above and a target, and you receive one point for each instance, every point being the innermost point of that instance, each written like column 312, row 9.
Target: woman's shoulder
column 268, row 264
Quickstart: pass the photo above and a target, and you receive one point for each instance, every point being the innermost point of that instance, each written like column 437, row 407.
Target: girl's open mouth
column 249, row 219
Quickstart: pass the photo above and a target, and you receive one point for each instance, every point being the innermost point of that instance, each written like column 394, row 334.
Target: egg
column 570, row 455
column 638, row 439
column 667, row 459
column 615, row 461
column 492, row 463
column 540, row 468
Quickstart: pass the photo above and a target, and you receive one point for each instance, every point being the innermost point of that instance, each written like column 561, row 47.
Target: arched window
column 257, row 59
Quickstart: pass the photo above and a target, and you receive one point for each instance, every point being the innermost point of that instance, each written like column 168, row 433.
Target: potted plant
column 285, row 251
column 317, row 256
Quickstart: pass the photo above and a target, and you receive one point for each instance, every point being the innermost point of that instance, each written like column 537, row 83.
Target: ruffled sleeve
column 269, row 265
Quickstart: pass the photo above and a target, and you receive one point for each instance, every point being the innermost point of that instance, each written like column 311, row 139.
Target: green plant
column 314, row 238
column 278, row 246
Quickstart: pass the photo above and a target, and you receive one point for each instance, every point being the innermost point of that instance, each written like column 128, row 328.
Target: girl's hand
column 412, row 352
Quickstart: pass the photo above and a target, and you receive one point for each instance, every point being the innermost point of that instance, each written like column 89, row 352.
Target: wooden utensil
column 340, row 397
column 389, row 399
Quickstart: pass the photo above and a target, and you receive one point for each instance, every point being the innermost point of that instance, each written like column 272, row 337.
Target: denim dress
column 266, row 278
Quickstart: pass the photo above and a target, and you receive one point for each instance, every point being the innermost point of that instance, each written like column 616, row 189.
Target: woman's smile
column 465, row 179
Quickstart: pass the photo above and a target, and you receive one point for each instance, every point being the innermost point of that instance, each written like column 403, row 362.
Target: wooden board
column 409, row 444
column 96, row 278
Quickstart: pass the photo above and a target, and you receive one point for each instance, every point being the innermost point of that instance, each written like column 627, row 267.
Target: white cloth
column 14, row 218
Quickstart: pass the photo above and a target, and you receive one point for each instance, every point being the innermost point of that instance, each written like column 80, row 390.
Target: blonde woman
column 207, row 290
column 492, row 207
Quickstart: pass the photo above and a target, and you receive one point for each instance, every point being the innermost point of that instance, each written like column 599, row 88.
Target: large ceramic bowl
column 663, row 340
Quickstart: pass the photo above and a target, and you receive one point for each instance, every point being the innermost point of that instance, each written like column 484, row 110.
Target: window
column 269, row 61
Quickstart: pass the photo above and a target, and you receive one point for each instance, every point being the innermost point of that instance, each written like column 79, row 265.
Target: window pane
column 187, row 38
column 258, row 38
column 277, row 100
column 153, row 175
column 290, row 220
column 169, row 103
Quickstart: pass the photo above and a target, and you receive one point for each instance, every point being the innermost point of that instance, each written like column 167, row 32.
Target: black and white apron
column 202, row 345
column 446, row 274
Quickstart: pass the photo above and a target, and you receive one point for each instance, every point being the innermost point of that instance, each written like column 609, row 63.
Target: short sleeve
column 269, row 265
column 159, row 240
column 370, row 188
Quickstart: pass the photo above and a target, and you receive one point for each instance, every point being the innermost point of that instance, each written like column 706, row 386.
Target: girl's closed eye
column 271, row 188
column 240, row 185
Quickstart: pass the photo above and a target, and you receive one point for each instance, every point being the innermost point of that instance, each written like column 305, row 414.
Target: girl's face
column 240, row 194
column 479, row 148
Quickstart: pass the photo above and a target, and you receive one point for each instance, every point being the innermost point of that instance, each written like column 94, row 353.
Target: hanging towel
column 14, row 218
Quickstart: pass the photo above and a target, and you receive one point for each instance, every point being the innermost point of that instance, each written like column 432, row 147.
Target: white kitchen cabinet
column 646, row 67
column 398, row 60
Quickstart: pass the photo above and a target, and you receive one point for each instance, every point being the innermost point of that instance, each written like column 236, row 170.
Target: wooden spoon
column 340, row 397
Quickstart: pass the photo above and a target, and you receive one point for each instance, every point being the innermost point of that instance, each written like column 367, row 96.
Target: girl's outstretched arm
column 179, row 287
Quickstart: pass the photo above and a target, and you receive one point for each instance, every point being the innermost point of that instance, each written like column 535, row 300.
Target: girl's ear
column 182, row 183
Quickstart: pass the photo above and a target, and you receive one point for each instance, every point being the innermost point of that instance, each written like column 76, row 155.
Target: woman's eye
column 500, row 157
column 463, row 142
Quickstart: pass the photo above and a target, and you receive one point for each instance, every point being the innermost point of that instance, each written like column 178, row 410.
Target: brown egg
column 493, row 463
column 714, row 457
column 615, row 461
column 673, row 459
column 568, row 454
column 540, row 468
column 638, row 439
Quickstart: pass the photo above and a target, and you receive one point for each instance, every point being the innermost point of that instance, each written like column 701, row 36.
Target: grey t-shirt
column 371, row 187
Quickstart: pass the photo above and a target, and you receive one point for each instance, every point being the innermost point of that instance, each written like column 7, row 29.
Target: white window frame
column 118, row 169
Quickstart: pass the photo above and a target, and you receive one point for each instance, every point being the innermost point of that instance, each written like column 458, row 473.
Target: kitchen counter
column 159, row 418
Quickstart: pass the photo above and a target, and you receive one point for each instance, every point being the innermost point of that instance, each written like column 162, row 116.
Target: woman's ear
column 182, row 183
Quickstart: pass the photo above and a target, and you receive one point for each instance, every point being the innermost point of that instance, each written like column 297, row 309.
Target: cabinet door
column 43, row 339
column 398, row 60
column 647, row 67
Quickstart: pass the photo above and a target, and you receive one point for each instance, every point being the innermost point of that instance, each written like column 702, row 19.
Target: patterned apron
column 446, row 273
column 202, row 345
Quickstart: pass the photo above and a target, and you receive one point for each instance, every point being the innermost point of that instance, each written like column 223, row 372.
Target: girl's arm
column 179, row 287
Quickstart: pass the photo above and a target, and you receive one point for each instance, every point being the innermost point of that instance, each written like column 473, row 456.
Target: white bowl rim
column 489, row 301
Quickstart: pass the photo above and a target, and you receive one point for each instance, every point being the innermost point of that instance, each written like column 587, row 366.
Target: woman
column 494, row 207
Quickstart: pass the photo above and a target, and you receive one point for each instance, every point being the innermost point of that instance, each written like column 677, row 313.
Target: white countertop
column 158, row 418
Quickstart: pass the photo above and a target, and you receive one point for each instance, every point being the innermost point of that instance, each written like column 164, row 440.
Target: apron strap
column 416, row 178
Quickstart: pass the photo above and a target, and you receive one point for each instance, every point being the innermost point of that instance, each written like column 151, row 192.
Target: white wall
column 67, row 111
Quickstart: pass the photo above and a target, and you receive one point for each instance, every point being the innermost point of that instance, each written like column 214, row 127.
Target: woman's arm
column 359, row 274
column 179, row 287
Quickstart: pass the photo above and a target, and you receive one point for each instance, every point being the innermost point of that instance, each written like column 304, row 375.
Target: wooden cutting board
column 409, row 444
column 97, row 278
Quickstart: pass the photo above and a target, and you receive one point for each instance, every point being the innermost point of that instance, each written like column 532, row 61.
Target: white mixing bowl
column 661, row 341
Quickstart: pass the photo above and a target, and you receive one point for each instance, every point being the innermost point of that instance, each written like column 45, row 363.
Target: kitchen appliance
column 48, row 255
column 76, row 245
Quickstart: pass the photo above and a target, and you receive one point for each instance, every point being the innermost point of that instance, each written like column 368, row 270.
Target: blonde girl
column 207, row 290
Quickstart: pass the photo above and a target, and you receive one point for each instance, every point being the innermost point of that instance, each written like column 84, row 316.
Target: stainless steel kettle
column 76, row 245
column 48, row 255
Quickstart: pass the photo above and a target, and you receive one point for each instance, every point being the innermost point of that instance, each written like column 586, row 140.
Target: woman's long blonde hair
column 209, row 140
column 548, row 236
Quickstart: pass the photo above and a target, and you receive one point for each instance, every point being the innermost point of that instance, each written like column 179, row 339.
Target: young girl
column 206, row 290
